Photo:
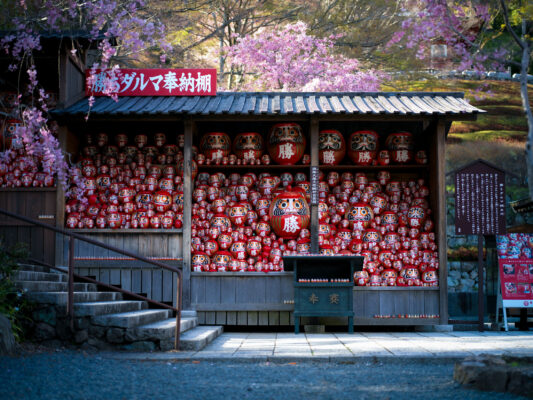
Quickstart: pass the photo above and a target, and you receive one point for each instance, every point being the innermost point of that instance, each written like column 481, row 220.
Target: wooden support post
column 480, row 281
column 314, row 163
column 187, row 210
column 70, row 304
column 439, row 186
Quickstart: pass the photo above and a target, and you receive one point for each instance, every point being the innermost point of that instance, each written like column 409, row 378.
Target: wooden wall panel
column 35, row 203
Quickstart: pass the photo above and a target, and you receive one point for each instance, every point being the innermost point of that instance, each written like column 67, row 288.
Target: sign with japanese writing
column 315, row 175
column 479, row 200
column 152, row 82
column 515, row 256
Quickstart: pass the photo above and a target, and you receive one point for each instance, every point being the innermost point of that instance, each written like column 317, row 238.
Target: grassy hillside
column 499, row 136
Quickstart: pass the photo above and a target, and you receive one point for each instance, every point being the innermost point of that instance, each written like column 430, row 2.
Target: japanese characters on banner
column 479, row 200
column 152, row 82
column 515, row 255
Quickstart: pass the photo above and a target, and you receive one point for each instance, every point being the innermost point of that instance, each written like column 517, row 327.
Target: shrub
column 13, row 303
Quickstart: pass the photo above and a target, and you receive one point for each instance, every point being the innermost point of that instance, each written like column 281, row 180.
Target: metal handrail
column 72, row 236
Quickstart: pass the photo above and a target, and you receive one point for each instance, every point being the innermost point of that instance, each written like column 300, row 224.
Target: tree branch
column 508, row 25
column 476, row 45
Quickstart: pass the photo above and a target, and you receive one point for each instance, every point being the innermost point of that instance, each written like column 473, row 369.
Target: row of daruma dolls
column 248, row 222
column 129, row 185
column 286, row 143
column 23, row 171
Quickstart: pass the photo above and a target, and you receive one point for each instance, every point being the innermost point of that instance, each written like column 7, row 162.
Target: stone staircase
column 104, row 320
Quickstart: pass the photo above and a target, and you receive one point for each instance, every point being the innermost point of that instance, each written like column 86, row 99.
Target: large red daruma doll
column 215, row 145
column 286, row 143
column 363, row 147
column 331, row 147
column 289, row 214
column 248, row 146
column 401, row 147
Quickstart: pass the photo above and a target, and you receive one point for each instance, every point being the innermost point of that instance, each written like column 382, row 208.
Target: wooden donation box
column 323, row 286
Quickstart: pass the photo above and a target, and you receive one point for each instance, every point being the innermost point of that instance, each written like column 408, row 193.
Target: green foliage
column 486, row 122
column 13, row 303
column 464, row 253
column 488, row 135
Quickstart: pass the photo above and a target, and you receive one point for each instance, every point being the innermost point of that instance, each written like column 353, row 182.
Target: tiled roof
column 281, row 103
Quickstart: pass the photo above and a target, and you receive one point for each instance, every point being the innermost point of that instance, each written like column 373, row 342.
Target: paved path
column 344, row 347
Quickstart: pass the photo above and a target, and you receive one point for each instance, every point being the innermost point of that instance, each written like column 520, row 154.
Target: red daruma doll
column 286, row 143
column 331, row 147
column 289, row 214
column 363, row 146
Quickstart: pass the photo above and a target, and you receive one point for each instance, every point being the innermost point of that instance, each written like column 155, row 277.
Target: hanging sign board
column 515, row 258
column 480, row 200
column 315, row 174
column 152, row 82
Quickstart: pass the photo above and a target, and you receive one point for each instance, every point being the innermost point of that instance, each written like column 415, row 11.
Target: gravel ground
column 77, row 375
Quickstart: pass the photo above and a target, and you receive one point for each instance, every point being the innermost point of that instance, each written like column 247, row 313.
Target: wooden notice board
column 479, row 200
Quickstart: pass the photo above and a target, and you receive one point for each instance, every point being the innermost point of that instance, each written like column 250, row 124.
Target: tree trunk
column 529, row 115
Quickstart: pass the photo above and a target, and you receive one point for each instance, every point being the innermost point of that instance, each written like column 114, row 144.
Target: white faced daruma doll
column 286, row 143
column 289, row 214
column 331, row 147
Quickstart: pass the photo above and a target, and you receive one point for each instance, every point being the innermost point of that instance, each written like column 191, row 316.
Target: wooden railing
column 71, row 275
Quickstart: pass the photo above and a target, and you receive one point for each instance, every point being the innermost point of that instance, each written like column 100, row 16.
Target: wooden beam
column 187, row 211
column 314, row 126
column 438, row 177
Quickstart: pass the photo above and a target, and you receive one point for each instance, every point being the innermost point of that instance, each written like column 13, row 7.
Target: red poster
column 152, row 82
column 515, row 254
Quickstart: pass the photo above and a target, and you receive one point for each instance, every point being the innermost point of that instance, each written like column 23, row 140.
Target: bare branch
column 508, row 25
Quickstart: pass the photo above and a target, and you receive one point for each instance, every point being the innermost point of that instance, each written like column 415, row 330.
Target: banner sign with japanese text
column 152, row 82
column 480, row 200
column 515, row 257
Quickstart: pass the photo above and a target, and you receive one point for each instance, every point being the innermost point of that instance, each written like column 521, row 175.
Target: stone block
column 469, row 266
column 140, row 346
column 81, row 336
column 97, row 331
column 7, row 340
column 99, row 344
column 115, row 335
column 44, row 332
column 166, row 345
column 63, row 329
column 81, row 323
column 46, row 314
column 454, row 274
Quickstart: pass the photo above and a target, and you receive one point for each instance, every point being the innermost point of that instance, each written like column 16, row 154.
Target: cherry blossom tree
column 120, row 31
column 290, row 59
column 481, row 35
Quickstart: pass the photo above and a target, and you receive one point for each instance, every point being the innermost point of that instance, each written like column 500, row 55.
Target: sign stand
column 499, row 305
column 480, row 210
column 480, row 285
column 515, row 275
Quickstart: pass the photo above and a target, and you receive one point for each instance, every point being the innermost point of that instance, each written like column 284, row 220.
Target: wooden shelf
column 243, row 274
column 28, row 189
column 121, row 231
column 394, row 288
column 252, row 167
column 395, row 167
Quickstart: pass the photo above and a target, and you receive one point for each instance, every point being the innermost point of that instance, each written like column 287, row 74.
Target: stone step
column 60, row 298
column 189, row 314
column 162, row 330
column 47, row 286
column 131, row 319
column 196, row 339
column 91, row 309
column 39, row 276
column 33, row 268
